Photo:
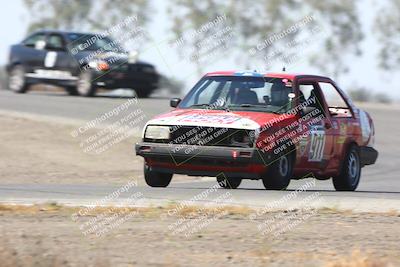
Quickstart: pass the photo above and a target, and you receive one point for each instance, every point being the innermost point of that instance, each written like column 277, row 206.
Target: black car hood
column 84, row 57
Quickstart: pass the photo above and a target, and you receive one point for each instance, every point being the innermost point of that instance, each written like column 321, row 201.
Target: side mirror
column 174, row 102
column 40, row 45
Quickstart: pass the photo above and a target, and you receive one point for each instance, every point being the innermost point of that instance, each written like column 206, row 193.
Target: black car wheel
column 350, row 174
column 143, row 93
column 85, row 86
column 156, row 179
column 279, row 173
column 229, row 183
column 16, row 80
column 71, row 90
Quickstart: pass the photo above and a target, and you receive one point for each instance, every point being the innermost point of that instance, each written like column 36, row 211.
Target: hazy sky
column 14, row 19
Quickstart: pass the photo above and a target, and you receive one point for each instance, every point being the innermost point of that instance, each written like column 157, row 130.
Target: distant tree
column 364, row 95
column 83, row 15
column 253, row 22
column 174, row 86
column 382, row 98
column 3, row 78
column 387, row 29
column 360, row 95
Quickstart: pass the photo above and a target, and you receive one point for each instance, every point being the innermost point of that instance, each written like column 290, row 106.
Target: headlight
column 157, row 132
column 100, row 65
column 133, row 57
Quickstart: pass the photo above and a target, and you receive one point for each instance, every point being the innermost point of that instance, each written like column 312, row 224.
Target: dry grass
column 9, row 257
column 144, row 211
column 152, row 211
column 357, row 259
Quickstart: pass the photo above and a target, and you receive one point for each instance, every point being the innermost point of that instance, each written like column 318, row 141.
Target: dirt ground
column 328, row 238
column 40, row 151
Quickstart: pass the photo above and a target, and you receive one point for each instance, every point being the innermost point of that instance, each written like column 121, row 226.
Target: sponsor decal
column 218, row 119
column 317, row 144
column 50, row 59
column 248, row 73
column 287, row 83
column 342, row 133
column 302, row 146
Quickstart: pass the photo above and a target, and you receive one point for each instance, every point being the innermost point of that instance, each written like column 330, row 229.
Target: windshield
column 92, row 42
column 240, row 93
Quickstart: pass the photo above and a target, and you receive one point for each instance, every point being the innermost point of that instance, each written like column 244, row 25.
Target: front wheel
column 16, row 81
column 229, row 183
column 85, row 85
column 143, row 93
column 350, row 174
column 156, row 179
column 279, row 173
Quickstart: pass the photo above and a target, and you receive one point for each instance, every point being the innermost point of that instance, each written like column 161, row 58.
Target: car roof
column 283, row 75
column 64, row 32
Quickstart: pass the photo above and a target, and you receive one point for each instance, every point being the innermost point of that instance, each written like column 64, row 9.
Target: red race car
column 273, row 127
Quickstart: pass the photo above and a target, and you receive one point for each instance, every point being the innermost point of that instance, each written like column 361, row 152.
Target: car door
column 342, row 119
column 58, row 59
column 32, row 53
column 315, row 148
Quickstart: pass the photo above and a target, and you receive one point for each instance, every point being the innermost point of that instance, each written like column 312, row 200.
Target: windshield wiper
column 245, row 105
column 200, row 105
column 211, row 107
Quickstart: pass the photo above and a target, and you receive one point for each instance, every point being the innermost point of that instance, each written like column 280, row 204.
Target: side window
column 332, row 96
column 55, row 42
column 31, row 41
column 307, row 92
column 336, row 104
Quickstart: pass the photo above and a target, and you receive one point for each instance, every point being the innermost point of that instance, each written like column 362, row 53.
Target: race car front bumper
column 204, row 160
column 368, row 155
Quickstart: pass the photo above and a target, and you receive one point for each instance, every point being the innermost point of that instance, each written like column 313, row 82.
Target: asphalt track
column 379, row 189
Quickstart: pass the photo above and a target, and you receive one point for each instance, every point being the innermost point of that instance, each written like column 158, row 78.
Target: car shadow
column 291, row 190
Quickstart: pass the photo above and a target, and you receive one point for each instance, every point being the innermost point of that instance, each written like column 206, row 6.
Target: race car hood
column 247, row 120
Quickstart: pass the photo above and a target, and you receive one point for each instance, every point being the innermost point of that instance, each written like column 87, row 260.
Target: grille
column 209, row 136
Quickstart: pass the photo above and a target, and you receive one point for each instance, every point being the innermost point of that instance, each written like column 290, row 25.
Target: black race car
column 79, row 62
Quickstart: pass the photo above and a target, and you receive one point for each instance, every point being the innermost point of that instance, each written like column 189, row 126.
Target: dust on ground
column 40, row 151
column 328, row 238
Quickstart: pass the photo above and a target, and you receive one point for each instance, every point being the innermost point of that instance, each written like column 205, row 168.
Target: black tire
column 229, row 183
column 71, row 90
column 279, row 172
column 85, row 86
column 350, row 174
column 156, row 179
column 17, row 81
column 143, row 93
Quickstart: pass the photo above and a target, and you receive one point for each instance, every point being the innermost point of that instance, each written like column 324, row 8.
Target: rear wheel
column 16, row 80
column 350, row 174
column 143, row 93
column 279, row 173
column 229, row 183
column 71, row 90
column 85, row 86
column 156, row 179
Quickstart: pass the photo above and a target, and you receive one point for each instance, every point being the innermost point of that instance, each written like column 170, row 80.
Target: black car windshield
column 240, row 93
column 92, row 42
